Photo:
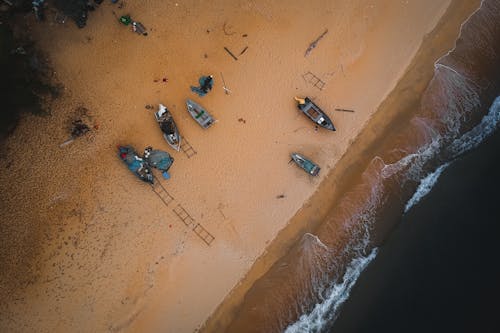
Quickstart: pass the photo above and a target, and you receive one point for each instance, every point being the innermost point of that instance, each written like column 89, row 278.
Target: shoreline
column 309, row 217
column 106, row 244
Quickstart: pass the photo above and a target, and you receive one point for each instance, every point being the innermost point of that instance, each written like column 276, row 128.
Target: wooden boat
column 168, row 127
column 306, row 164
column 199, row 114
column 313, row 111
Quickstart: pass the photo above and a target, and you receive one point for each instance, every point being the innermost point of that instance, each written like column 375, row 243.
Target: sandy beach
column 87, row 247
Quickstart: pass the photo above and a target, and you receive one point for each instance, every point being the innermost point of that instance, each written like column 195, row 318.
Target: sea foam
column 468, row 141
column 327, row 310
column 425, row 186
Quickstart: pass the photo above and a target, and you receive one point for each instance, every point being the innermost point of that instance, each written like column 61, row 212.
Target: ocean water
column 308, row 290
column 438, row 270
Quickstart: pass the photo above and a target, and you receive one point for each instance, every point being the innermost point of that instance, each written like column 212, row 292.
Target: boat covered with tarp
column 135, row 163
column 159, row 159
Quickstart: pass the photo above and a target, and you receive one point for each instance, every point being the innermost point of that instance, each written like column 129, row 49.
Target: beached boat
column 168, row 127
column 314, row 113
column 306, row 164
column 135, row 163
column 199, row 114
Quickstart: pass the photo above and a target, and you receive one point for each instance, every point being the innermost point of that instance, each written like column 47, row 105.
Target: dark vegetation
column 27, row 81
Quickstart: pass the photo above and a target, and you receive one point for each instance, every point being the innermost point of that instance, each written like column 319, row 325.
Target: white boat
column 168, row 127
column 199, row 114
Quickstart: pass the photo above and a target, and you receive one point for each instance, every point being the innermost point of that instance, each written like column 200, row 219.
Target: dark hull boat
column 199, row 114
column 135, row 163
column 168, row 127
column 306, row 164
column 313, row 111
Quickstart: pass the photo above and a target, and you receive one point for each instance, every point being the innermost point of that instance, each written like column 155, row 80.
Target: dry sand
column 88, row 247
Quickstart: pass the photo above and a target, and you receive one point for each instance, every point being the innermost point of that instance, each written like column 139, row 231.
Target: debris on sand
column 79, row 127
column 230, row 53
column 315, row 43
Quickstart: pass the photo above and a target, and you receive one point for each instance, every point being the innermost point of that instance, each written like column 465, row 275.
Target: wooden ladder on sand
column 314, row 80
column 187, row 148
column 188, row 220
column 162, row 193
column 181, row 213
column 203, row 234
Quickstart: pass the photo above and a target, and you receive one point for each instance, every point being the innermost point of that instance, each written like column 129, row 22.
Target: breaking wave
column 325, row 312
column 425, row 186
column 458, row 147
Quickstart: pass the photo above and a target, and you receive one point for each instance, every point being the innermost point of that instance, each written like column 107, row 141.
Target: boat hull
column 135, row 164
column 168, row 127
column 306, row 164
column 314, row 112
column 199, row 114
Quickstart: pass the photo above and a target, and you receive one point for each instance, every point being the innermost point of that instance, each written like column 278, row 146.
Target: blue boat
column 135, row 163
column 306, row 164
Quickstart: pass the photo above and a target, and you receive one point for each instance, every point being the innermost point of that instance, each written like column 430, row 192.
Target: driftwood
column 67, row 142
column 315, row 43
column 226, row 90
column 230, row 53
column 244, row 50
column 344, row 110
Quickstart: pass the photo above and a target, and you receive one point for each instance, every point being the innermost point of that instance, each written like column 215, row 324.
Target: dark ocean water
column 438, row 271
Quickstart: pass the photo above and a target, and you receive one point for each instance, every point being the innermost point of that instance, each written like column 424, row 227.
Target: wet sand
column 87, row 247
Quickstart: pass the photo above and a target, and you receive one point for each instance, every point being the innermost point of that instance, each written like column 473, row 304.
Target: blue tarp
column 160, row 160
column 206, row 84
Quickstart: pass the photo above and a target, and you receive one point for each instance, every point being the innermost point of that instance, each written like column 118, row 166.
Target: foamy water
column 458, row 147
column 338, row 293
column 425, row 186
